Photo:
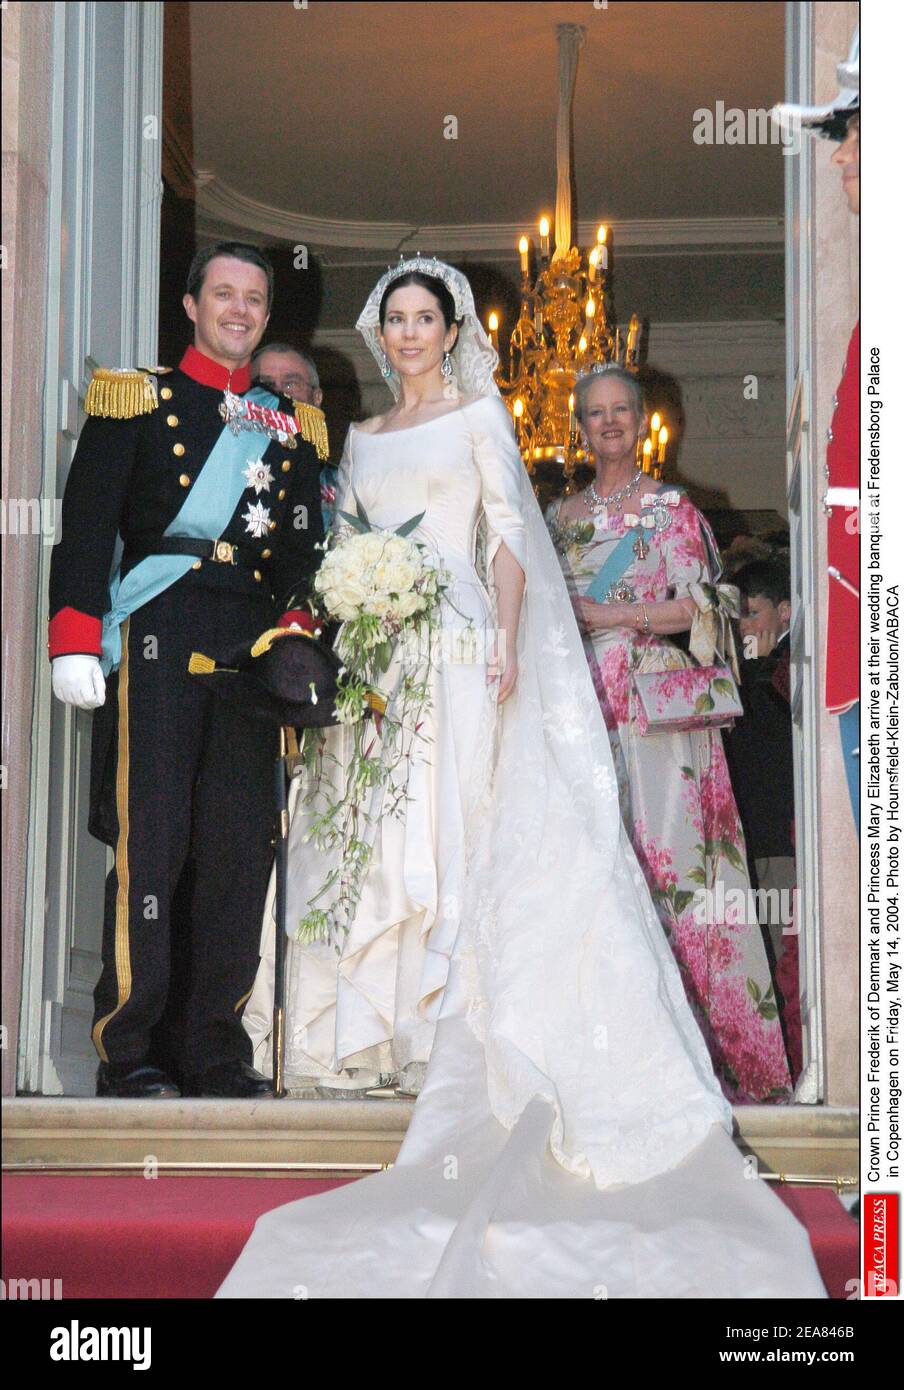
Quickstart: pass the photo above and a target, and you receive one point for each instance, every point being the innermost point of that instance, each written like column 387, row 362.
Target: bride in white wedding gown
column 570, row 1139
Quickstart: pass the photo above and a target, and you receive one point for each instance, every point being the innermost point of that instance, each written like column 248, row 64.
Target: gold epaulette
column 312, row 427
column 120, row 393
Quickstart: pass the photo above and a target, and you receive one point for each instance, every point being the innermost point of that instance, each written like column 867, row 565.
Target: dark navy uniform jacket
column 131, row 477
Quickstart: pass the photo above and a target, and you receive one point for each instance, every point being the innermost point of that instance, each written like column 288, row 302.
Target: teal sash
column 611, row 571
column 619, row 558
column 206, row 513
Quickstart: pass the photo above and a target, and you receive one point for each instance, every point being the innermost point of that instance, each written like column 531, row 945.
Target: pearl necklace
column 599, row 504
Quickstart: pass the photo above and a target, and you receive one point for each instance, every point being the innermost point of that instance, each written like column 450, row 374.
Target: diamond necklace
column 598, row 504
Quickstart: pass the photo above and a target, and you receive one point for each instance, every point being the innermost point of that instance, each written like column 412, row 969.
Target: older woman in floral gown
column 677, row 800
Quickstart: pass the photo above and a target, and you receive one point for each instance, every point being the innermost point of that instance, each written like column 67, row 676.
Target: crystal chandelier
column 565, row 324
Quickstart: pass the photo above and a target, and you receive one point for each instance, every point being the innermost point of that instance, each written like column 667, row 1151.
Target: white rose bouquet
column 377, row 583
column 385, row 590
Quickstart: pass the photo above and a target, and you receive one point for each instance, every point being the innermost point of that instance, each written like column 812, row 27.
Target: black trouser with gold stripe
column 177, row 772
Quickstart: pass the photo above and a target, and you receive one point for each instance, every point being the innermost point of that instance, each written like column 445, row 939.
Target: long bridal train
column 473, row 1210
column 570, row 1139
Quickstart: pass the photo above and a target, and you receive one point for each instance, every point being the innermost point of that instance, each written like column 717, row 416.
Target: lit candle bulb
column 631, row 349
column 493, row 325
column 647, row 454
column 655, row 423
column 524, row 252
column 571, row 419
column 590, row 308
column 591, row 265
column 518, row 408
column 582, row 344
column 663, row 441
column 602, row 249
column 544, row 237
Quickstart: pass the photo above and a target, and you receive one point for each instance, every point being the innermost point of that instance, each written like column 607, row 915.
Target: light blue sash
column 206, row 513
column 614, row 566
column 619, row 558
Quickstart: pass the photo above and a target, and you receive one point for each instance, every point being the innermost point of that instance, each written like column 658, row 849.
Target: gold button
column 178, row 450
column 257, row 575
column 184, row 480
column 281, row 494
column 172, row 421
column 165, row 393
column 272, row 526
column 265, row 554
column 286, row 465
column 196, row 565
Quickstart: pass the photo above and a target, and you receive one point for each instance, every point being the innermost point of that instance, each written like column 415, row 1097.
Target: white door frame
column 800, row 261
column 103, row 259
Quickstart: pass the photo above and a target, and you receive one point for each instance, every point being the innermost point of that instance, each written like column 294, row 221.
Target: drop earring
column 385, row 366
column 446, row 368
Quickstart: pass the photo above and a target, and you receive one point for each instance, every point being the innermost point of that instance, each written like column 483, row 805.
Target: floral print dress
column 676, row 797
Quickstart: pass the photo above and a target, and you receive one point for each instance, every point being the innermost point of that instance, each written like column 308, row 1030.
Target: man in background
column 289, row 372
column 760, row 757
column 759, row 746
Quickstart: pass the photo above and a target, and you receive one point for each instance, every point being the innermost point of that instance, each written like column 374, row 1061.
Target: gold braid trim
column 266, row 639
column 119, row 393
column 200, row 665
column 312, row 426
column 121, row 951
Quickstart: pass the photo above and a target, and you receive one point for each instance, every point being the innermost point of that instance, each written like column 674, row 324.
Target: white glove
column 79, row 681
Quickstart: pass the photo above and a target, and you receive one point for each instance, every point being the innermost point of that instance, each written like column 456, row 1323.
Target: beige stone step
column 323, row 1136
column 258, row 1135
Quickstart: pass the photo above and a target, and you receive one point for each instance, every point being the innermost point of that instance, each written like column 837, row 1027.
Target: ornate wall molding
column 223, row 210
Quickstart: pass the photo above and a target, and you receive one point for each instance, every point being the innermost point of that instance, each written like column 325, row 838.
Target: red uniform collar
column 209, row 373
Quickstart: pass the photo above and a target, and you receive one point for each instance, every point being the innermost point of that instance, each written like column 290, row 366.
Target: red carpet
column 131, row 1237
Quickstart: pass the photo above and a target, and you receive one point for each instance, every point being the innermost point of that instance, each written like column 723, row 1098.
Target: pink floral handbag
column 703, row 695
column 692, row 697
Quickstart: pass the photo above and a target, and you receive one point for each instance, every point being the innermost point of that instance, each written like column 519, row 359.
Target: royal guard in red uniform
column 842, row 506
column 840, row 121
column 213, row 487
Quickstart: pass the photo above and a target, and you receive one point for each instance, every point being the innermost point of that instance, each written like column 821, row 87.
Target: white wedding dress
column 570, row 1139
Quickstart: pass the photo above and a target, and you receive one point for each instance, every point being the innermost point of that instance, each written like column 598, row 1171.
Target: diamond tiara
column 600, row 368
column 426, row 265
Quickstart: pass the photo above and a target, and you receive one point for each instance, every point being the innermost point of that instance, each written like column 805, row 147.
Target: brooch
column 620, row 592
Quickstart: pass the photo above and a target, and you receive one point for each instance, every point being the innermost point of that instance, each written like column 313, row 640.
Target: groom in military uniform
column 214, row 488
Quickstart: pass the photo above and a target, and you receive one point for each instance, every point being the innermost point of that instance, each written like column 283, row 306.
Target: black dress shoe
column 131, row 1081
column 229, row 1081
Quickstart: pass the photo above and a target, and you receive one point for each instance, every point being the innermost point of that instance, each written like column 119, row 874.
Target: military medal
column 240, row 414
column 233, row 411
column 257, row 519
column 259, row 475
